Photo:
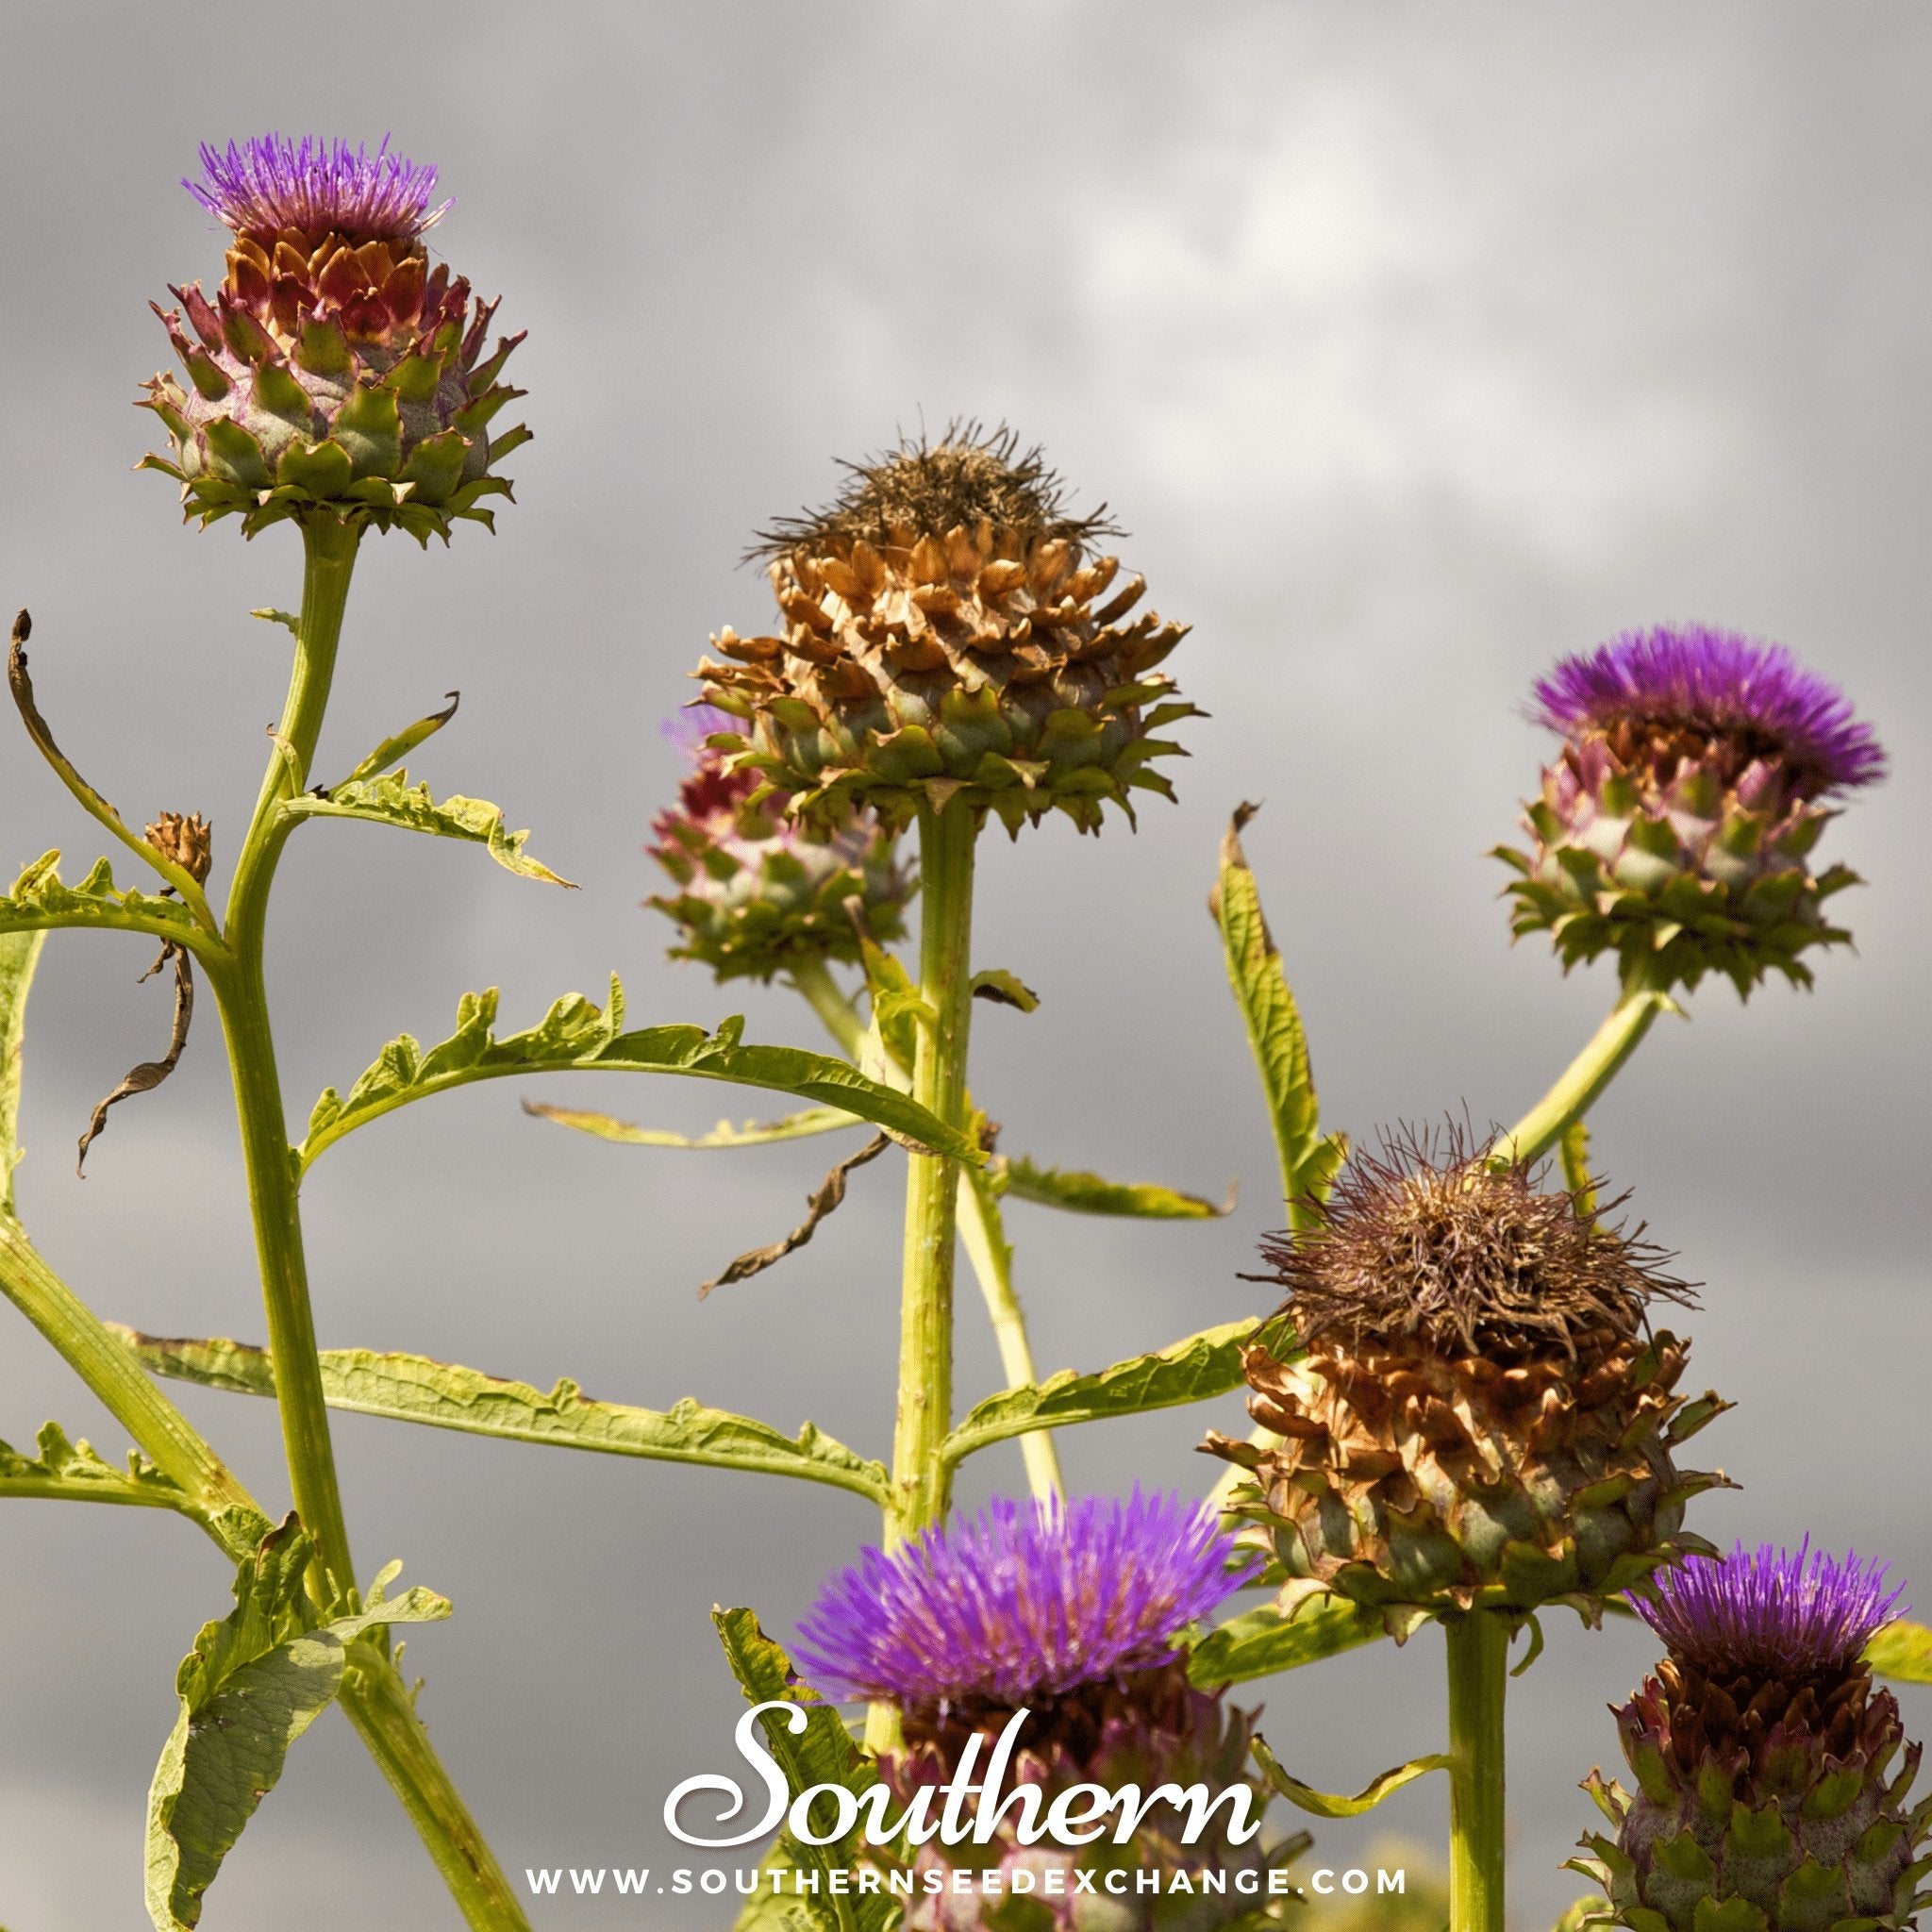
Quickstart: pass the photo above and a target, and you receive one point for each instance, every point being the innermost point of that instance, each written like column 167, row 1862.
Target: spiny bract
column 335, row 371
column 1764, row 1756
column 1676, row 827
column 1472, row 1415
column 949, row 632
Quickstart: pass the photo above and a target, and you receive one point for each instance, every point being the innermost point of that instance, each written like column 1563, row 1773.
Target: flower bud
column 1074, row 1613
column 1676, row 826
column 335, row 371
column 1474, row 1414
column 1767, row 1796
column 756, row 893
column 948, row 630
column 186, row 841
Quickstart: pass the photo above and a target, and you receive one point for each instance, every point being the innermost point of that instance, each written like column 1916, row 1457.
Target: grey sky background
column 1414, row 345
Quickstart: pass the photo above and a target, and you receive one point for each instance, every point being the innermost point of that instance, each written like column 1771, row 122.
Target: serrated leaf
column 1264, row 1642
column 391, row 800
column 604, row 1127
column 1903, row 1651
column 1192, row 1370
column 251, row 1685
column 1275, row 1030
column 413, row 1389
column 576, row 1034
column 19, row 952
column 70, row 1472
column 823, row 1754
column 1087, row 1193
column 1327, row 1804
column 39, row 899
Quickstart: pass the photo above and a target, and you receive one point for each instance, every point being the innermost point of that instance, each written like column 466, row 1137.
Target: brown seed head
column 1432, row 1239
column 968, row 477
column 188, row 841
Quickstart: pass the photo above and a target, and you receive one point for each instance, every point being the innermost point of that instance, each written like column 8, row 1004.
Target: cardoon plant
column 1078, row 1614
column 1771, row 1787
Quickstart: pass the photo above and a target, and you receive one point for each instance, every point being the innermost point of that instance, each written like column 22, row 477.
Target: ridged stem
column 373, row 1696
column 240, row 985
column 980, row 1228
column 1478, row 1676
column 920, row 1479
column 1582, row 1082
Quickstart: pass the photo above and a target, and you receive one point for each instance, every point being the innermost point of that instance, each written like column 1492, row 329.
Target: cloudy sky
column 1413, row 344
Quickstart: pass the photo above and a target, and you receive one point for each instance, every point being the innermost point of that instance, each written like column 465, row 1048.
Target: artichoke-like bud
column 950, row 628
column 756, row 894
column 1771, row 1789
column 1075, row 1615
column 1471, row 1412
column 1676, row 826
column 335, row 370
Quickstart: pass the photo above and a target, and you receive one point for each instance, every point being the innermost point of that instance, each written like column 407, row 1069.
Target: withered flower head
column 949, row 631
column 188, row 841
column 1471, row 1411
column 1432, row 1237
column 1763, row 1756
column 335, row 371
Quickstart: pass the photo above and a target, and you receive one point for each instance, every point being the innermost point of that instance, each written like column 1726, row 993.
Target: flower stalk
column 241, row 991
column 920, row 1481
column 1581, row 1084
column 1479, row 1645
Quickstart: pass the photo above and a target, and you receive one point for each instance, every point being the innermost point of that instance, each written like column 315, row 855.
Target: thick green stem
column 1478, row 1676
column 1584, row 1080
column 240, row 985
column 992, row 1262
column 814, row 980
column 379, row 1705
column 920, row 1477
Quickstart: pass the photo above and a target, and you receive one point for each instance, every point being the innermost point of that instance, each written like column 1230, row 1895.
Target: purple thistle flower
column 1024, row 1599
column 1719, row 683
column 1772, row 1610
column 270, row 183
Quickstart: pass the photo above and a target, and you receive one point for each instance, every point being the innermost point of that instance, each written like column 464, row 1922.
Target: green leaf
column 391, row 800
column 39, row 899
column 1189, row 1371
column 412, row 1389
column 250, row 1687
column 1006, row 989
column 604, row 1127
column 19, row 952
column 1308, row 1158
column 1903, row 1651
column 393, row 750
column 72, row 1472
column 1324, row 1804
column 575, row 1035
column 823, row 1754
column 1262, row 1642
column 1087, row 1193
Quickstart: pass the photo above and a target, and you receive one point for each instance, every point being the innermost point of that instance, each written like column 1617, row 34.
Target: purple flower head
column 688, row 730
column 1718, row 684
column 270, row 183
column 1026, row 1598
column 1774, row 1611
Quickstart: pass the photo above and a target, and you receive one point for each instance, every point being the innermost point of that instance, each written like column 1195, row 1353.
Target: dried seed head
column 187, row 842
column 1432, row 1239
column 968, row 477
